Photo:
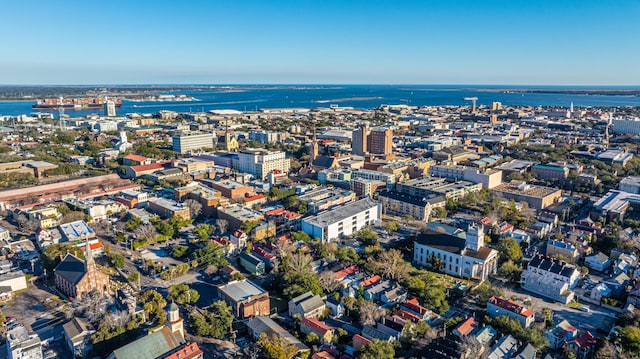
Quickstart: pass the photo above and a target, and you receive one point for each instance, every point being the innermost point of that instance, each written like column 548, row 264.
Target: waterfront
column 251, row 98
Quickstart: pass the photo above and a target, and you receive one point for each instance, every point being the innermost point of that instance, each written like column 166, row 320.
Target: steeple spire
column 88, row 257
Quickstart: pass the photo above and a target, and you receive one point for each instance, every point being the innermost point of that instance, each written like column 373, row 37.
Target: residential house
column 77, row 333
column 583, row 344
column 466, row 327
column 251, row 263
column 307, row 305
column 268, row 326
column 562, row 249
column 322, row 330
column 598, row 262
column 239, row 239
column 497, row 306
column 560, row 334
column 618, row 283
column 336, row 307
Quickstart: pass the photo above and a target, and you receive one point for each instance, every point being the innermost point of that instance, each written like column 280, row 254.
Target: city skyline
column 251, row 42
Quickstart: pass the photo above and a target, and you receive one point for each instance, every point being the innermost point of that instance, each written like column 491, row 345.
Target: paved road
column 598, row 317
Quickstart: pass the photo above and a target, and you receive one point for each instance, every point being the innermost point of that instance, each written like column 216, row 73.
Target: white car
column 584, row 309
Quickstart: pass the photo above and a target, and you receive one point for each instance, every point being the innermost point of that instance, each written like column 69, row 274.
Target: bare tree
column 328, row 281
column 211, row 269
column 195, row 208
column 299, row 262
column 145, row 232
column 222, row 225
column 391, row 264
column 370, row 312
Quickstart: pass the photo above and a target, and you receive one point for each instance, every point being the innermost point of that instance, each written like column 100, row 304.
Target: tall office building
column 110, row 108
column 380, row 141
column 187, row 142
column 260, row 162
column 359, row 140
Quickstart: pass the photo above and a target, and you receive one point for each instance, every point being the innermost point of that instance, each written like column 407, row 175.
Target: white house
column 598, row 261
column 342, row 221
column 550, row 278
column 456, row 256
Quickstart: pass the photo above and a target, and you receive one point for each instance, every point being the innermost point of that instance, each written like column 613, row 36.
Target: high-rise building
column 187, row 142
column 380, row 141
column 359, row 140
column 260, row 162
column 110, row 108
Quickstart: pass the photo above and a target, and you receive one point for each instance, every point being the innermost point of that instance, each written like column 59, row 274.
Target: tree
column 195, row 208
column 211, row 253
column 511, row 270
column 215, row 323
column 510, row 249
column 367, row 235
column 165, row 229
column 629, row 337
column 276, row 347
column 370, row 312
column 179, row 251
column 145, row 232
column 134, row 277
column 203, row 231
column 378, row 350
column 439, row 212
column 302, row 208
column 300, row 236
column 390, row 264
column 117, row 259
column 312, row 339
column 183, row 294
column 328, row 281
column 391, row 226
column 222, row 224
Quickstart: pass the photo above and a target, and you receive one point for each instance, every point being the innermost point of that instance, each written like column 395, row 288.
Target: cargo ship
column 77, row 103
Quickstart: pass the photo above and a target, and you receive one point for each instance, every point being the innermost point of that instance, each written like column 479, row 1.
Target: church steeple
column 88, row 256
column 314, row 145
column 174, row 322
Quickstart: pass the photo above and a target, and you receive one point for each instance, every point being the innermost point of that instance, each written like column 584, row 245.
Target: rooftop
column 241, row 290
column 340, row 213
column 525, row 189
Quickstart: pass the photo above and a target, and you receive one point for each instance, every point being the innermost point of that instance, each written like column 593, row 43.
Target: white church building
column 455, row 255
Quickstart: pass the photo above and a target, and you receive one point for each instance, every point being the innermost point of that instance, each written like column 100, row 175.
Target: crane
column 473, row 103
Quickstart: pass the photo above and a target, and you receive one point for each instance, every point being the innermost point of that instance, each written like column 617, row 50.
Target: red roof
column 322, row 355
column 316, row 326
column 256, row 197
column 359, row 341
column 371, row 281
column 93, row 246
column 467, row 326
column 151, row 166
column 347, row 271
column 275, row 212
column 413, row 306
column 585, row 340
column 508, row 304
column 189, row 351
column 408, row 315
column 291, row 214
column 136, row 158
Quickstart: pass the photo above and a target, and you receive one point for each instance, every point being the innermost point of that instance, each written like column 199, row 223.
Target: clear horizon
column 466, row 42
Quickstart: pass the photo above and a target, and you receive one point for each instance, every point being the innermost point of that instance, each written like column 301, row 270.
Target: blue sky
column 323, row 41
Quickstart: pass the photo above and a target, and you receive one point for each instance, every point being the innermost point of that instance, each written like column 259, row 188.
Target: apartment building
column 260, row 163
column 498, row 306
column 342, row 220
column 167, row 208
column 323, row 198
column 188, row 142
column 401, row 204
column 550, row 278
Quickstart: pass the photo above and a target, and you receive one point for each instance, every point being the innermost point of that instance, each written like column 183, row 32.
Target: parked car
column 584, row 309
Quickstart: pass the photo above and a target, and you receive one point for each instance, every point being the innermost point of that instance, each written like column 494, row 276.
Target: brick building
column 76, row 278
